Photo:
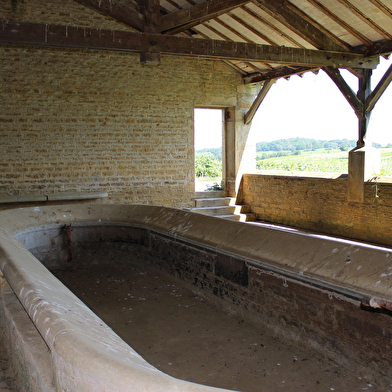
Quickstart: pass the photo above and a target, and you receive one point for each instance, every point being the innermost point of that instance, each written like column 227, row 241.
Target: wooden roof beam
column 281, row 72
column 177, row 22
column 130, row 16
column 15, row 33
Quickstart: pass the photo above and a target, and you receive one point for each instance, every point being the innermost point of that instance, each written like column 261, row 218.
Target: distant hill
column 293, row 144
column 299, row 144
column 216, row 152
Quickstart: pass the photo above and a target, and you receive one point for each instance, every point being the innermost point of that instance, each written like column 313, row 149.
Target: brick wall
column 77, row 121
column 320, row 204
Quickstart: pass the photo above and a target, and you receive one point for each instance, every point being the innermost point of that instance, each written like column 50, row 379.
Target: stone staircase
column 215, row 204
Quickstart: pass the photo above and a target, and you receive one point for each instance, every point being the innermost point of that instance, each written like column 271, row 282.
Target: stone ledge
column 52, row 197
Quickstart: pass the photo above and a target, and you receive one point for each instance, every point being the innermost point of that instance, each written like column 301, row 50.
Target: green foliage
column 207, row 165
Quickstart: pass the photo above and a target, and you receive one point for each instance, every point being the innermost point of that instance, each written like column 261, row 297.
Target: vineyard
column 296, row 154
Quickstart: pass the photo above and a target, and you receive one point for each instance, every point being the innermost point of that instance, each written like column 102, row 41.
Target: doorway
column 208, row 142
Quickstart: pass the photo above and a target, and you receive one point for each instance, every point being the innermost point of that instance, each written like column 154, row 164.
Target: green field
column 321, row 160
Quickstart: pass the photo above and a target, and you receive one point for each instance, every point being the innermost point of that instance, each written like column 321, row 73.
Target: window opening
column 305, row 124
column 208, row 128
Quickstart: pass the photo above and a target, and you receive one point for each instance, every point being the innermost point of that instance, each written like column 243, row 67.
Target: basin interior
column 188, row 336
column 211, row 318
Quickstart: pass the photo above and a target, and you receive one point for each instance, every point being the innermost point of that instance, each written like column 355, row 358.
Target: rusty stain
column 68, row 231
column 376, row 303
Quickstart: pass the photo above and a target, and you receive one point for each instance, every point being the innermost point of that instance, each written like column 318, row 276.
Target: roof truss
column 111, row 40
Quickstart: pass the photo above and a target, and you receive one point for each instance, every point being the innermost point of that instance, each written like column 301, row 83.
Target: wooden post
column 363, row 161
column 363, row 93
column 151, row 12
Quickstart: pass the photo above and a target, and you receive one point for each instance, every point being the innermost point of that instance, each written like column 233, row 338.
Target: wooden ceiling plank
column 227, row 39
column 272, row 27
column 382, row 7
column 120, row 12
column 376, row 94
column 258, row 101
column 366, row 19
column 232, row 30
column 185, row 19
column 318, row 26
column 341, row 22
column 99, row 39
column 252, row 29
column 345, row 89
column 215, row 31
column 279, row 10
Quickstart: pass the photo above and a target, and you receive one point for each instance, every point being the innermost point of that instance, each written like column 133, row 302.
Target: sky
column 312, row 107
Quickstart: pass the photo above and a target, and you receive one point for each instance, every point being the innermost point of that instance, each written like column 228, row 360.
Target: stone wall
column 79, row 121
column 320, row 204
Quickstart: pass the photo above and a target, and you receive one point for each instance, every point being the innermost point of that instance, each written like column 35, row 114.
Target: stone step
column 240, row 217
column 217, row 210
column 216, row 204
column 209, row 194
column 233, row 212
column 215, row 201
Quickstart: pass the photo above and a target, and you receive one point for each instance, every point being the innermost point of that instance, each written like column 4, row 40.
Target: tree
column 207, row 166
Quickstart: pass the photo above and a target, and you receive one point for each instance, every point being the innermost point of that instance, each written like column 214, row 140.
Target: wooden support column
column 152, row 21
column 363, row 93
column 259, row 99
column 363, row 160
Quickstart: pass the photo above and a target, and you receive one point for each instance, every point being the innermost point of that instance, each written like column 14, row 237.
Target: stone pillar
column 229, row 153
column 363, row 164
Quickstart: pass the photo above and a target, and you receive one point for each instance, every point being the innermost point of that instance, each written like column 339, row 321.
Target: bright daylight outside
column 304, row 124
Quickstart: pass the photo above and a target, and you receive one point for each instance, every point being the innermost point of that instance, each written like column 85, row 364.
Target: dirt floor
column 188, row 337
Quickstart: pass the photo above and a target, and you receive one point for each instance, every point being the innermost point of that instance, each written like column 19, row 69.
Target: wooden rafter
column 252, row 29
column 118, row 11
column 365, row 19
column 318, row 26
column 232, row 30
column 272, row 27
column 339, row 21
column 110, row 40
column 185, row 19
column 229, row 63
column 387, row 11
column 301, row 26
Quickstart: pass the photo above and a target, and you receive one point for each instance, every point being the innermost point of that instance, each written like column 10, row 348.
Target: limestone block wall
column 320, row 204
column 80, row 121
